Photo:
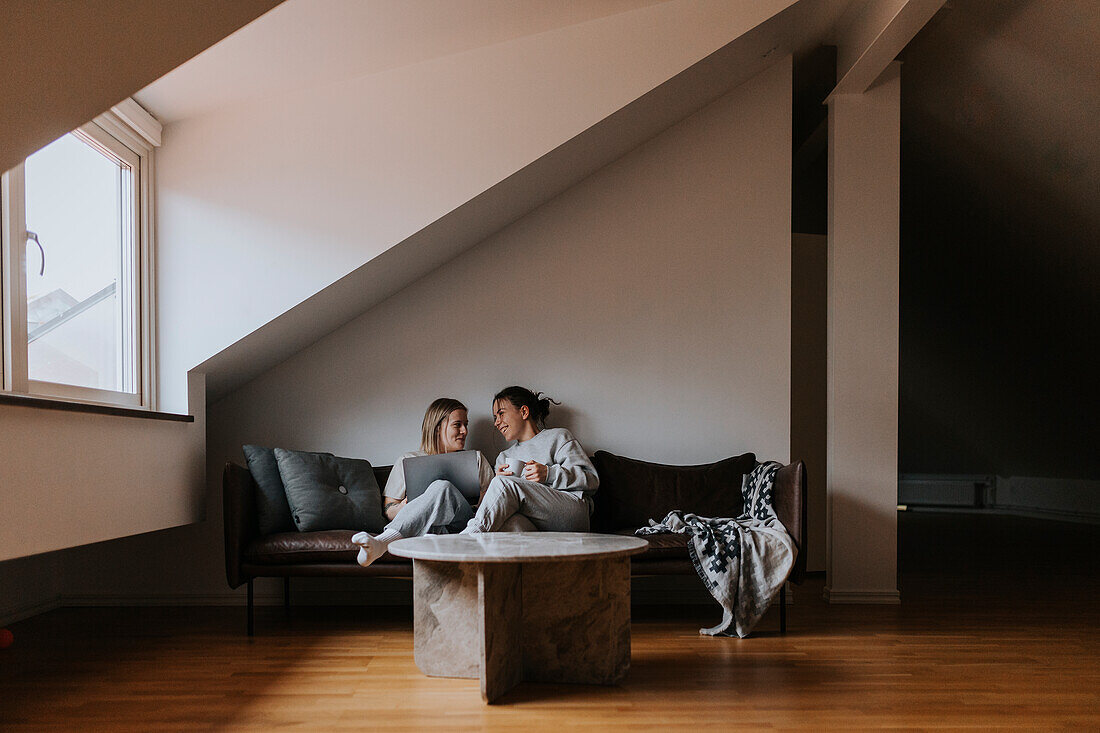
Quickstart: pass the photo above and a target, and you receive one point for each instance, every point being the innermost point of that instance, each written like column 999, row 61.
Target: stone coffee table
column 512, row 606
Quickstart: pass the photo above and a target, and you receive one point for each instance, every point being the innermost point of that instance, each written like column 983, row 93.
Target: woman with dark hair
column 442, row 508
column 545, row 475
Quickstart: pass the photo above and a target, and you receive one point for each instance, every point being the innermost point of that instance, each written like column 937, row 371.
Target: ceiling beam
column 872, row 37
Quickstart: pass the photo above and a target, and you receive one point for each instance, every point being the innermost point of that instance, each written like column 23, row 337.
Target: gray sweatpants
column 441, row 509
column 547, row 509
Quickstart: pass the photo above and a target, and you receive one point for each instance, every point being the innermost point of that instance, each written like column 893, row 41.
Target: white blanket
column 743, row 561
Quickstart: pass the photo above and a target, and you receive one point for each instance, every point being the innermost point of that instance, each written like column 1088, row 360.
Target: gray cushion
column 272, row 509
column 326, row 492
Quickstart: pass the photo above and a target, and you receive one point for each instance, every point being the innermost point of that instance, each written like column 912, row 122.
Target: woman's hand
column 536, row 472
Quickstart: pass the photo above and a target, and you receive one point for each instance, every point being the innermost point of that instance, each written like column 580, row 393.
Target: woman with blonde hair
column 441, row 509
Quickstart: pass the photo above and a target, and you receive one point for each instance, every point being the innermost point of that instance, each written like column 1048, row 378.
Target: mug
column 515, row 465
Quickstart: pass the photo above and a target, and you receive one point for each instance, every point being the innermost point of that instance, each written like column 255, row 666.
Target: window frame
column 130, row 134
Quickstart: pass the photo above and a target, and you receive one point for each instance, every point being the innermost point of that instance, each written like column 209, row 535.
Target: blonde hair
column 430, row 432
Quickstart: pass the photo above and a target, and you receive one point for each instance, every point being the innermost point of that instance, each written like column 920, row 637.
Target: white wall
column 66, row 478
column 265, row 202
column 653, row 299
column 660, row 316
column 74, row 478
column 864, row 175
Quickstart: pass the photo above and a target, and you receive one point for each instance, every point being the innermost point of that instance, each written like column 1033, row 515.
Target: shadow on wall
column 484, row 437
column 864, row 544
column 998, row 305
column 999, row 262
column 563, row 416
column 487, row 439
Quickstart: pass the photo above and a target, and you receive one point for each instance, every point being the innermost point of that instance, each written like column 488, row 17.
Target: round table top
column 517, row 546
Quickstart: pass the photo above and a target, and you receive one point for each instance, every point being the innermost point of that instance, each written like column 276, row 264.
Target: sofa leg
column 286, row 596
column 783, row 609
column 251, row 609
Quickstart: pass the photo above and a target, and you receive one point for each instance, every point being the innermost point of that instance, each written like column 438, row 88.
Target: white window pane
column 79, row 327
column 81, row 351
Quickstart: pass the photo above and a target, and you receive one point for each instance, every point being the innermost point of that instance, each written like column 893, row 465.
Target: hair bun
column 537, row 403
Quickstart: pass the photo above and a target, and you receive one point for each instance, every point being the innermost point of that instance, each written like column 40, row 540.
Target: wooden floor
column 998, row 628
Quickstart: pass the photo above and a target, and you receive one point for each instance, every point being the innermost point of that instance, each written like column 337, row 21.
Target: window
column 77, row 264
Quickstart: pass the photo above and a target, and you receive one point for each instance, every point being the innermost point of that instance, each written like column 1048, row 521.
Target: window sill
column 48, row 403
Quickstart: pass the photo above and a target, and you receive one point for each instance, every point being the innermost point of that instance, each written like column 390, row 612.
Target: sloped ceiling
column 309, row 42
column 66, row 62
column 345, row 175
column 800, row 27
column 1015, row 83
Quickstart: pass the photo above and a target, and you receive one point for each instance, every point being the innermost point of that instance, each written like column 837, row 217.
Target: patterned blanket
column 743, row 561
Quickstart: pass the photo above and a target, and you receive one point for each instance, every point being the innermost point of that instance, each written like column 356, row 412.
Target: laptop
column 460, row 468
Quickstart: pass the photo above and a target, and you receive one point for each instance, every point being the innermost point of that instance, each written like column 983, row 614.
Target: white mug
column 516, row 466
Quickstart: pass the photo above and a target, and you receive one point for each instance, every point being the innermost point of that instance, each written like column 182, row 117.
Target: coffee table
column 513, row 606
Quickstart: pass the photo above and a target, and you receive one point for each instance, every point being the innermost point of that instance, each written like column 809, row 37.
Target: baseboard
column 669, row 590
column 1075, row 517
column 85, row 600
column 1072, row 500
column 327, row 598
column 645, row 597
column 691, row 592
column 1061, row 516
column 879, row 597
column 354, row 597
column 1066, row 500
column 945, row 490
column 674, row 590
column 18, row 613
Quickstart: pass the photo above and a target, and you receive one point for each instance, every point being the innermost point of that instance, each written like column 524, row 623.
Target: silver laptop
column 460, row 468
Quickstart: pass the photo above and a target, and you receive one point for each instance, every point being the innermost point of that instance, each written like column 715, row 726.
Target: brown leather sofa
column 630, row 493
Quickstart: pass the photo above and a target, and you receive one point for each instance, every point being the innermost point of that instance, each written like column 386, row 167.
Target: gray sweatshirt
column 568, row 466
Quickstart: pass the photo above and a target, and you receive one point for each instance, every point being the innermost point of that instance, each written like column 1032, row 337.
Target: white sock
column 372, row 548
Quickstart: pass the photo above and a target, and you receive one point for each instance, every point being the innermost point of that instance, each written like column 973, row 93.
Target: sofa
column 630, row 493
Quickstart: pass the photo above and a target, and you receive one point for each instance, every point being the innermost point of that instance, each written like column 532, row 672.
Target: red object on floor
column 6, row 638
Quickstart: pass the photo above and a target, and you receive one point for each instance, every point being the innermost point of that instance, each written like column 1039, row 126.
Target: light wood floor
column 998, row 628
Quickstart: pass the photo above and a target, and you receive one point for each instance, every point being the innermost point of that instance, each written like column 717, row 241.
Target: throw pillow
column 327, row 492
column 272, row 509
column 633, row 492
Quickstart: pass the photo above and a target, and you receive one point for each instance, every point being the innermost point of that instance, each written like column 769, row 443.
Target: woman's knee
column 441, row 487
column 502, row 486
column 518, row 523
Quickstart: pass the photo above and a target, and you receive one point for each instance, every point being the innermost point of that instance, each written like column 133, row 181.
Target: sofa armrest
column 239, row 519
column 789, row 499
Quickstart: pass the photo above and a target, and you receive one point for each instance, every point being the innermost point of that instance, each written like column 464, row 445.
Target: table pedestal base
column 566, row 621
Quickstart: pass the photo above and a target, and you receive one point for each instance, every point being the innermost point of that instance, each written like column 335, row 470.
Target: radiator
column 945, row 490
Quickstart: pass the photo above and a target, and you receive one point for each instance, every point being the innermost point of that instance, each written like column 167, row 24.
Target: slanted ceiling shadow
column 794, row 31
